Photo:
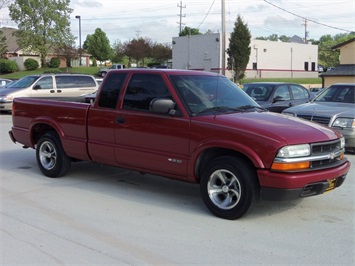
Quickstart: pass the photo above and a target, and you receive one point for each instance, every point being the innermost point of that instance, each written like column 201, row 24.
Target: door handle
column 52, row 91
column 120, row 120
column 59, row 91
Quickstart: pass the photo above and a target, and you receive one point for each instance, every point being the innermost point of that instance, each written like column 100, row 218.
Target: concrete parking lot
column 100, row 215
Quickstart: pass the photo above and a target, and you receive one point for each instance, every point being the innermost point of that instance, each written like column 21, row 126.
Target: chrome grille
column 331, row 148
column 318, row 119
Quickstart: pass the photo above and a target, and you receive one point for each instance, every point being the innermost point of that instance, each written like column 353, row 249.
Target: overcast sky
column 159, row 19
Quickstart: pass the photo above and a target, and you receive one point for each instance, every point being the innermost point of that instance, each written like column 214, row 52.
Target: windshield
column 216, row 94
column 259, row 92
column 24, row 82
column 337, row 93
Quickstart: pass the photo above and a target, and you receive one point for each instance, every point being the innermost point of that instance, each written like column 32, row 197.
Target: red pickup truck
column 188, row 125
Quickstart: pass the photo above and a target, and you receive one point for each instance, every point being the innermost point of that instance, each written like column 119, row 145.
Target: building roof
column 343, row 43
column 341, row 70
column 11, row 40
column 296, row 39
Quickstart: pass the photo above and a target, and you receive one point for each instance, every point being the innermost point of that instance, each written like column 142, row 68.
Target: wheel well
column 39, row 130
column 212, row 153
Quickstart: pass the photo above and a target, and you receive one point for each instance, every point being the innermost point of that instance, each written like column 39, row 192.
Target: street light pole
column 78, row 17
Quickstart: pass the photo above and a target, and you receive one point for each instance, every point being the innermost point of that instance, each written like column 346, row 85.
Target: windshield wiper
column 218, row 109
column 248, row 107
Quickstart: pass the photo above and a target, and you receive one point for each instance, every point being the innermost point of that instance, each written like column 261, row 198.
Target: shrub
column 31, row 64
column 54, row 63
column 8, row 66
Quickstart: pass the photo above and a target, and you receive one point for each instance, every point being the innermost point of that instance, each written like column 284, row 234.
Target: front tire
column 51, row 158
column 229, row 187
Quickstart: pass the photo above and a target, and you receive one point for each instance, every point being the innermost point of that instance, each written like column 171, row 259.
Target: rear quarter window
column 110, row 90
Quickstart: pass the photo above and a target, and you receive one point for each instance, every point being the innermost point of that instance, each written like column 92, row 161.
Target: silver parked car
column 333, row 107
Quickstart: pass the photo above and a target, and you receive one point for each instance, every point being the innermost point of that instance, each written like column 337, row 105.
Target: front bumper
column 6, row 106
column 287, row 186
column 312, row 189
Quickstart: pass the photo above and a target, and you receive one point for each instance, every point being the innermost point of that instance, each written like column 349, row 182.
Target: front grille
column 318, row 119
column 330, row 148
column 325, row 147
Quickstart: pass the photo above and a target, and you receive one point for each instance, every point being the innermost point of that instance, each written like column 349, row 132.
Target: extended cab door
column 102, row 120
column 156, row 142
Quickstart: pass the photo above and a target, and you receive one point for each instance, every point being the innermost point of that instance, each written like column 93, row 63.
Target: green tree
column 118, row 52
column 328, row 57
column 41, row 24
column 98, row 45
column 239, row 49
column 186, row 31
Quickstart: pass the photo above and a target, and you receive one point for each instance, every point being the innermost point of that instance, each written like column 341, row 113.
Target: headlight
column 8, row 98
column 294, row 151
column 284, row 160
column 342, row 143
column 344, row 123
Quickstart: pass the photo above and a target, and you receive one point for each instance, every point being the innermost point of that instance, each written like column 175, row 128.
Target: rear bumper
column 12, row 137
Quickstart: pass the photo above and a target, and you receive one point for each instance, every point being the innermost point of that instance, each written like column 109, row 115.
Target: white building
column 268, row 59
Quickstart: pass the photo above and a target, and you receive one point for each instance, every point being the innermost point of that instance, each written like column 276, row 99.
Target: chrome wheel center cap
column 225, row 189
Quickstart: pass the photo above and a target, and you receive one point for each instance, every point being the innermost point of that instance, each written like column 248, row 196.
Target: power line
column 206, row 14
column 306, row 19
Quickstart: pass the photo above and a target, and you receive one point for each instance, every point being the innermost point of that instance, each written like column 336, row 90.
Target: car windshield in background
column 259, row 92
column 337, row 93
column 24, row 82
column 212, row 94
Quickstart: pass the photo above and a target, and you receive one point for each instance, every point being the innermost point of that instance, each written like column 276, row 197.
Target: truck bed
column 67, row 118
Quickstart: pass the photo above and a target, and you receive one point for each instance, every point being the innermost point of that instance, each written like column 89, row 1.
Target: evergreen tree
column 239, row 49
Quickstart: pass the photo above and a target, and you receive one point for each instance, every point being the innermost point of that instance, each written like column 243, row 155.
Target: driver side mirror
column 162, row 106
column 37, row 87
column 278, row 99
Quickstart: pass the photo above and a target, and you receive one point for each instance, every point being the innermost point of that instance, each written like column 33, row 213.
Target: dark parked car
column 334, row 107
column 277, row 96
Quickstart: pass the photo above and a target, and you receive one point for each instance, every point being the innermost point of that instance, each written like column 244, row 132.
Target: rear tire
column 51, row 158
column 229, row 187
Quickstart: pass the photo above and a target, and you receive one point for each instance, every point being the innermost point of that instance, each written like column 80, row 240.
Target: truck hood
column 328, row 109
column 272, row 126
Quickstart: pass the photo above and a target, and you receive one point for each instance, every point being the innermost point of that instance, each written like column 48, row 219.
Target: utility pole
column 223, row 39
column 305, row 30
column 181, row 15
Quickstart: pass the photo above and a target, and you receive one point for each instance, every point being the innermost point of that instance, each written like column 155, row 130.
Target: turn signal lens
column 290, row 166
